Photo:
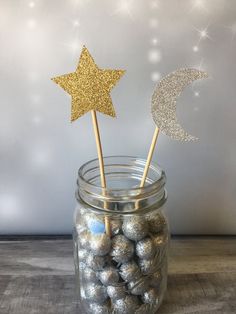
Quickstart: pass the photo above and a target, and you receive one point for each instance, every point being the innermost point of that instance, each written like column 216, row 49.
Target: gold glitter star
column 89, row 87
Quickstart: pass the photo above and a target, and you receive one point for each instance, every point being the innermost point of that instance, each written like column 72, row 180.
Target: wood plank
column 37, row 277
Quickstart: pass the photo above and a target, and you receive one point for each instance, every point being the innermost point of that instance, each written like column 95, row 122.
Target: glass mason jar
column 120, row 238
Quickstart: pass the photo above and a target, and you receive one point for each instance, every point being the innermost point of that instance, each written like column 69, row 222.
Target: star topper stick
column 164, row 109
column 89, row 87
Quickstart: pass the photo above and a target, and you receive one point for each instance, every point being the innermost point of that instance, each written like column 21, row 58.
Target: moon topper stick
column 164, row 109
column 89, row 87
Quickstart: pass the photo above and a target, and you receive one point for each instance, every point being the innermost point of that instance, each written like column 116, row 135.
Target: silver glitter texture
column 90, row 275
column 138, row 287
column 156, row 222
column 82, row 254
column 145, row 248
column 127, row 305
column 122, row 249
column 100, row 244
column 135, row 227
column 129, row 271
column 109, row 276
column 82, row 293
column 96, row 293
column 147, row 265
column 82, row 266
column 160, row 239
column 115, row 226
column 84, row 239
column 96, row 262
column 96, row 308
column 164, row 102
column 150, row 296
column 116, row 292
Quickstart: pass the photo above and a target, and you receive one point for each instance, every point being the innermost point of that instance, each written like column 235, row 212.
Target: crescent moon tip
column 205, row 74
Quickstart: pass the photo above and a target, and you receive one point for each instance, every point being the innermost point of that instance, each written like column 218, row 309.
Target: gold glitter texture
column 89, row 87
column 164, row 102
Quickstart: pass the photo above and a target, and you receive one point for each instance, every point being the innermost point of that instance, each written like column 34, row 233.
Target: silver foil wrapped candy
column 160, row 239
column 127, row 305
column 82, row 254
column 156, row 222
column 90, row 275
column 100, row 244
column 138, row 287
column 129, row 271
column 135, row 227
column 109, row 276
column 82, row 265
column 96, row 308
column 122, row 249
column 95, row 223
column 96, row 262
column 150, row 296
column 145, row 248
column 115, row 225
column 84, row 239
column 116, row 292
column 96, row 293
column 147, row 266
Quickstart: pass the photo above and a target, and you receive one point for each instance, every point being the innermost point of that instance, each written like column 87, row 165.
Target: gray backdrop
column 41, row 150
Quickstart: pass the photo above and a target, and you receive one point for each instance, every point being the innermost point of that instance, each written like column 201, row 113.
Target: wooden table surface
column 37, row 276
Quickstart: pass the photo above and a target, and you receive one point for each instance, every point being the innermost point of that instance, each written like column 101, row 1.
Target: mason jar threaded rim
column 123, row 176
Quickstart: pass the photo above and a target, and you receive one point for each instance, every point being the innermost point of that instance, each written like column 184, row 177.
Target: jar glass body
column 121, row 238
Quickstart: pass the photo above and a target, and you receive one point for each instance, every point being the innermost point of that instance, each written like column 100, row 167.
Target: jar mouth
column 123, row 176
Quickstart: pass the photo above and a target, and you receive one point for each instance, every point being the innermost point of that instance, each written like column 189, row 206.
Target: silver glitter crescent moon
column 164, row 102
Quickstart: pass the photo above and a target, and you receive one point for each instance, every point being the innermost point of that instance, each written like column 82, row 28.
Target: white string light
column 203, row 33
column 154, row 56
column 31, row 24
column 31, row 4
column 154, row 41
column 155, row 76
column 199, row 5
column 154, row 4
column 124, row 7
column 76, row 23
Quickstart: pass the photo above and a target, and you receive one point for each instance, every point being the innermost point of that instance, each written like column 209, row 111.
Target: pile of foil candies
column 124, row 273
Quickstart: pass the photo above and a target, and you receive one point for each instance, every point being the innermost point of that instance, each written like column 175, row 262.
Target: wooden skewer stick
column 148, row 162
column 149, row 158
column 101, row 164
